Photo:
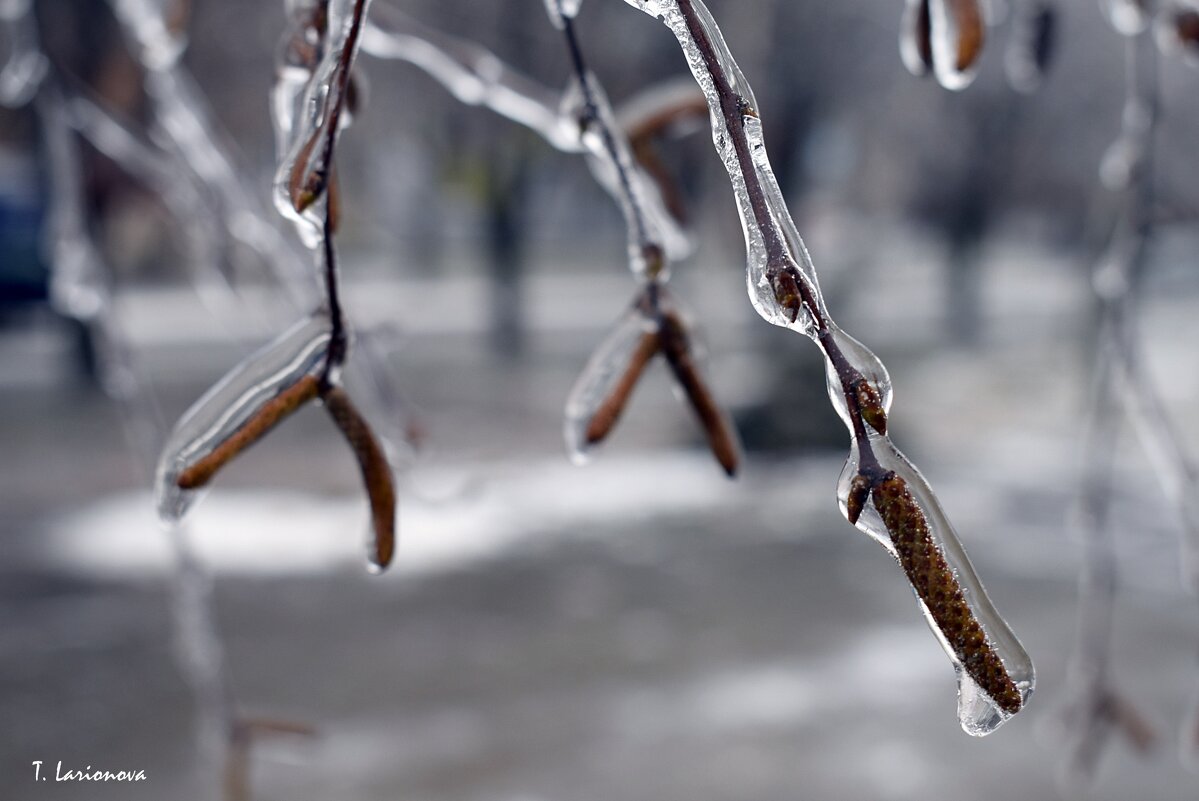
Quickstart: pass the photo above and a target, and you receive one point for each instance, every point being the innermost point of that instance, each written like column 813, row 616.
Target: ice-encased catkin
column 298, row 354
column 601, row 391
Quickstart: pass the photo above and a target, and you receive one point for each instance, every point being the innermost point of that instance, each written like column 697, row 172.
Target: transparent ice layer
column 610, row 159
column 234, row 400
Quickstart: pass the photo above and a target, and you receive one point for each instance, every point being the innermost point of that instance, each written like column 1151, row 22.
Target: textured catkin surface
column 937, row 587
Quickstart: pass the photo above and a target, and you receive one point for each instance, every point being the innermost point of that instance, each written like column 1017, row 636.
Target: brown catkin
column 971, row 29
column 722, row 440
column 937, row 586
column 606, row 416
column 376, row 472
column 275, row 410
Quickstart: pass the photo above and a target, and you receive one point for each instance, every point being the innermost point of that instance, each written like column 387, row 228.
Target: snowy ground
column 638, row 628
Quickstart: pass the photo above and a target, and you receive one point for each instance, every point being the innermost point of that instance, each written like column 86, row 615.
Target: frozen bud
column 870, row 405
column 859, row 491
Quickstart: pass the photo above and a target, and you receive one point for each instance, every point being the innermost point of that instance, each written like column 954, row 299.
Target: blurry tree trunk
column 506, row 180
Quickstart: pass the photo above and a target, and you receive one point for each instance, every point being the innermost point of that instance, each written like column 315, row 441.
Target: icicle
column 995, row 673
column 1129, row 17
column 234, row 413
column 880, row 491
column 26, row 66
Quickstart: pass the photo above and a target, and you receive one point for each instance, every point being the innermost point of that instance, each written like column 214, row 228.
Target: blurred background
column 639, row 627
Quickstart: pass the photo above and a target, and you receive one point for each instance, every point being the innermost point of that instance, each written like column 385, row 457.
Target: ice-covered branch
column 305, row 363
column 880, row 491
column 653, row 325
column 472, row 74
column 582, row 121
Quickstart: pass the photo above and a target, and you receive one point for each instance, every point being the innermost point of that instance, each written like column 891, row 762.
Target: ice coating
column 880, row 491
column 299, row 353
column 561, row 10
column 476, row 76
column 200, row 167
column 25, row 66
column 316, row 116
column 652, row 231
column 607, row 381
column 472, row 74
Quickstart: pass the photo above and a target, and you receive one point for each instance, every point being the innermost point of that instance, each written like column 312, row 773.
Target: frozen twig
column 595, row 402
column 880, row 491
column 305, row 363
